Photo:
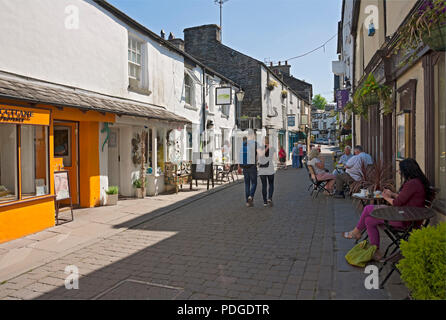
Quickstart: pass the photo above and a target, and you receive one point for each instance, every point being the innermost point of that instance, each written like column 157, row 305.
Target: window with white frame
column 188, row 89
column 135, row 59
column 211, row 96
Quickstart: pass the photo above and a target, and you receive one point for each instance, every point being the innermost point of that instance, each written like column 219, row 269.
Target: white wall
column 35, row 42
column 270, row 100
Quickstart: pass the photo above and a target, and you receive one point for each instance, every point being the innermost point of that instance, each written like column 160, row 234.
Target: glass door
column 65, row 146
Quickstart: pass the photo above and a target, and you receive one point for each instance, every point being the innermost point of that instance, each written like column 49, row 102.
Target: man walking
column 248, row 162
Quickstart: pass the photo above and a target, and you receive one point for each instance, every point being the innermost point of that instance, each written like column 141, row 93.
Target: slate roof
column 35, row 91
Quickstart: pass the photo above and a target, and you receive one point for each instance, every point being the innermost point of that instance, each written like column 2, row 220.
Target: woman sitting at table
column 319, row 169
column 413, row 193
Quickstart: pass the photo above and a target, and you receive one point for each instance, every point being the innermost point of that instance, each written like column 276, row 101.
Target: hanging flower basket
column 370, row 100
column 284, row 94
column 436, row 39
column 271, row 85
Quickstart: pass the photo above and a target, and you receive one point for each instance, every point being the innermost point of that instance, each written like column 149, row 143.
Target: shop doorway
column 114, row 158
column 66, row 146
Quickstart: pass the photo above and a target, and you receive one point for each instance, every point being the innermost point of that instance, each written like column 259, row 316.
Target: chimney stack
column 284, row 69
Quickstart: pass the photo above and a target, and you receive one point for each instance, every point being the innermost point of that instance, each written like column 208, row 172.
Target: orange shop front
column 34, row 139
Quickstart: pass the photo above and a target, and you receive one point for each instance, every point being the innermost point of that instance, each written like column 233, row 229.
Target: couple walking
column 266, row 157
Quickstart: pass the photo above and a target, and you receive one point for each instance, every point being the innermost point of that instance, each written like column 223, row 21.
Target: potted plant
column 377, row 176
column 371, row 93
column 137, row 184
column 271, row 85
column 427, row 25
column 112, row 195
column 423, row 264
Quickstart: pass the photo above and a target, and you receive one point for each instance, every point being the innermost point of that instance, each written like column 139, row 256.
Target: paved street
column 216, row 248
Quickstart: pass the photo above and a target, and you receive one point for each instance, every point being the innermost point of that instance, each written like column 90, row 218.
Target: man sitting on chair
column 344, row 158
column 353, row 170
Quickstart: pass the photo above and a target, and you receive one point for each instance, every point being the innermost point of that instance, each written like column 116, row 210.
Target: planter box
column 111, row 199
column 155, row 184
column 437, row 38
column 139, row 194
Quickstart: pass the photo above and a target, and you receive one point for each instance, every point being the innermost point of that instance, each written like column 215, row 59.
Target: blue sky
column 274, row 30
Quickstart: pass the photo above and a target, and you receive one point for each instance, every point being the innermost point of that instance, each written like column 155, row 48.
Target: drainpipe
column 203, row 90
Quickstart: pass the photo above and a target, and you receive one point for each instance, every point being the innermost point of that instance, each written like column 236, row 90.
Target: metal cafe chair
column 317, row 185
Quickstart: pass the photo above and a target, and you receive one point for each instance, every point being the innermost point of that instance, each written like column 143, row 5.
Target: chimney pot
column 171, row 36
column 163, row 34
column 279, row 63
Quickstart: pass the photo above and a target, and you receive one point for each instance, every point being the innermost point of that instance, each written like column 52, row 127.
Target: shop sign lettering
column 12, row 115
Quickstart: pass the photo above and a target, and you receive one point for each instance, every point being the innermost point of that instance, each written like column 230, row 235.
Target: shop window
column 31, row 143
column 34, row 161
column 440, row 157
column 8, row 163
column 405, row 120
column 188, row 90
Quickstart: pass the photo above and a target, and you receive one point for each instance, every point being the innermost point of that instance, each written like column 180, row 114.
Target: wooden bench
column 178, row 174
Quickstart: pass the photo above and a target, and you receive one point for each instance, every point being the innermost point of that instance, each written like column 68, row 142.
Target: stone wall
column 204, row 43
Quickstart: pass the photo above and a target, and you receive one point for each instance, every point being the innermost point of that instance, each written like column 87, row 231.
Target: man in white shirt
column 353, row 170
column 344, row 158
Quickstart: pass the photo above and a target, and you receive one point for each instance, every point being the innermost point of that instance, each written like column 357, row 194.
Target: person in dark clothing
column 248, row 160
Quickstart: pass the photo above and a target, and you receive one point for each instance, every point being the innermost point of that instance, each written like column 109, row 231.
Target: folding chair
column 317, row 185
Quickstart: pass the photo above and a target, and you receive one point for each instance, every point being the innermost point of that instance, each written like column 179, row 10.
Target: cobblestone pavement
column 216, row 248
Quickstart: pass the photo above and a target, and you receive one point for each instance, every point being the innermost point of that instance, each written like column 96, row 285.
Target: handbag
column 360, row 254
column 265, row 165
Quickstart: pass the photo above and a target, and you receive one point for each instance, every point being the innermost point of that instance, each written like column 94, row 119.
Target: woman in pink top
column 413, row 193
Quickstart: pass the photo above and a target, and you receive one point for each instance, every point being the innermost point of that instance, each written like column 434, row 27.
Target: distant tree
column 319, row 102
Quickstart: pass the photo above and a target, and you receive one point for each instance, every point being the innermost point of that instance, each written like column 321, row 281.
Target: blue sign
column 291, row 121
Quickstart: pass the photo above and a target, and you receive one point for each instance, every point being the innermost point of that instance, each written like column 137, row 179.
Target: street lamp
column 240, row 95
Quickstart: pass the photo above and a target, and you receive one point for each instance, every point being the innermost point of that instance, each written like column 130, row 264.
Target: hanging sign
column 342, row 97
column 20, row 115
column 291, row 121
column 223, row 96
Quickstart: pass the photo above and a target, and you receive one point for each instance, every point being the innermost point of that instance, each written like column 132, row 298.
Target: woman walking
column 267, row 158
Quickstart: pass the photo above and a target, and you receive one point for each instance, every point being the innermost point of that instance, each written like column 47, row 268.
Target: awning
column 35, row 91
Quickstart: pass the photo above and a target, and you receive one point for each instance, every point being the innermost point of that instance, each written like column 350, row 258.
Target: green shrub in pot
column 112, row 195
column 423, row 268
column 112, row 190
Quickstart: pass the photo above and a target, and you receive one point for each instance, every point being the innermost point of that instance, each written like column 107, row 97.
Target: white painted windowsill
column 188, row 106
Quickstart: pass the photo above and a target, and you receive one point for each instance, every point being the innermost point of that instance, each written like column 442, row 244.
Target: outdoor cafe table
column 368, row 199
column 406, row 214
column 401, row 214
column 340, row 168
